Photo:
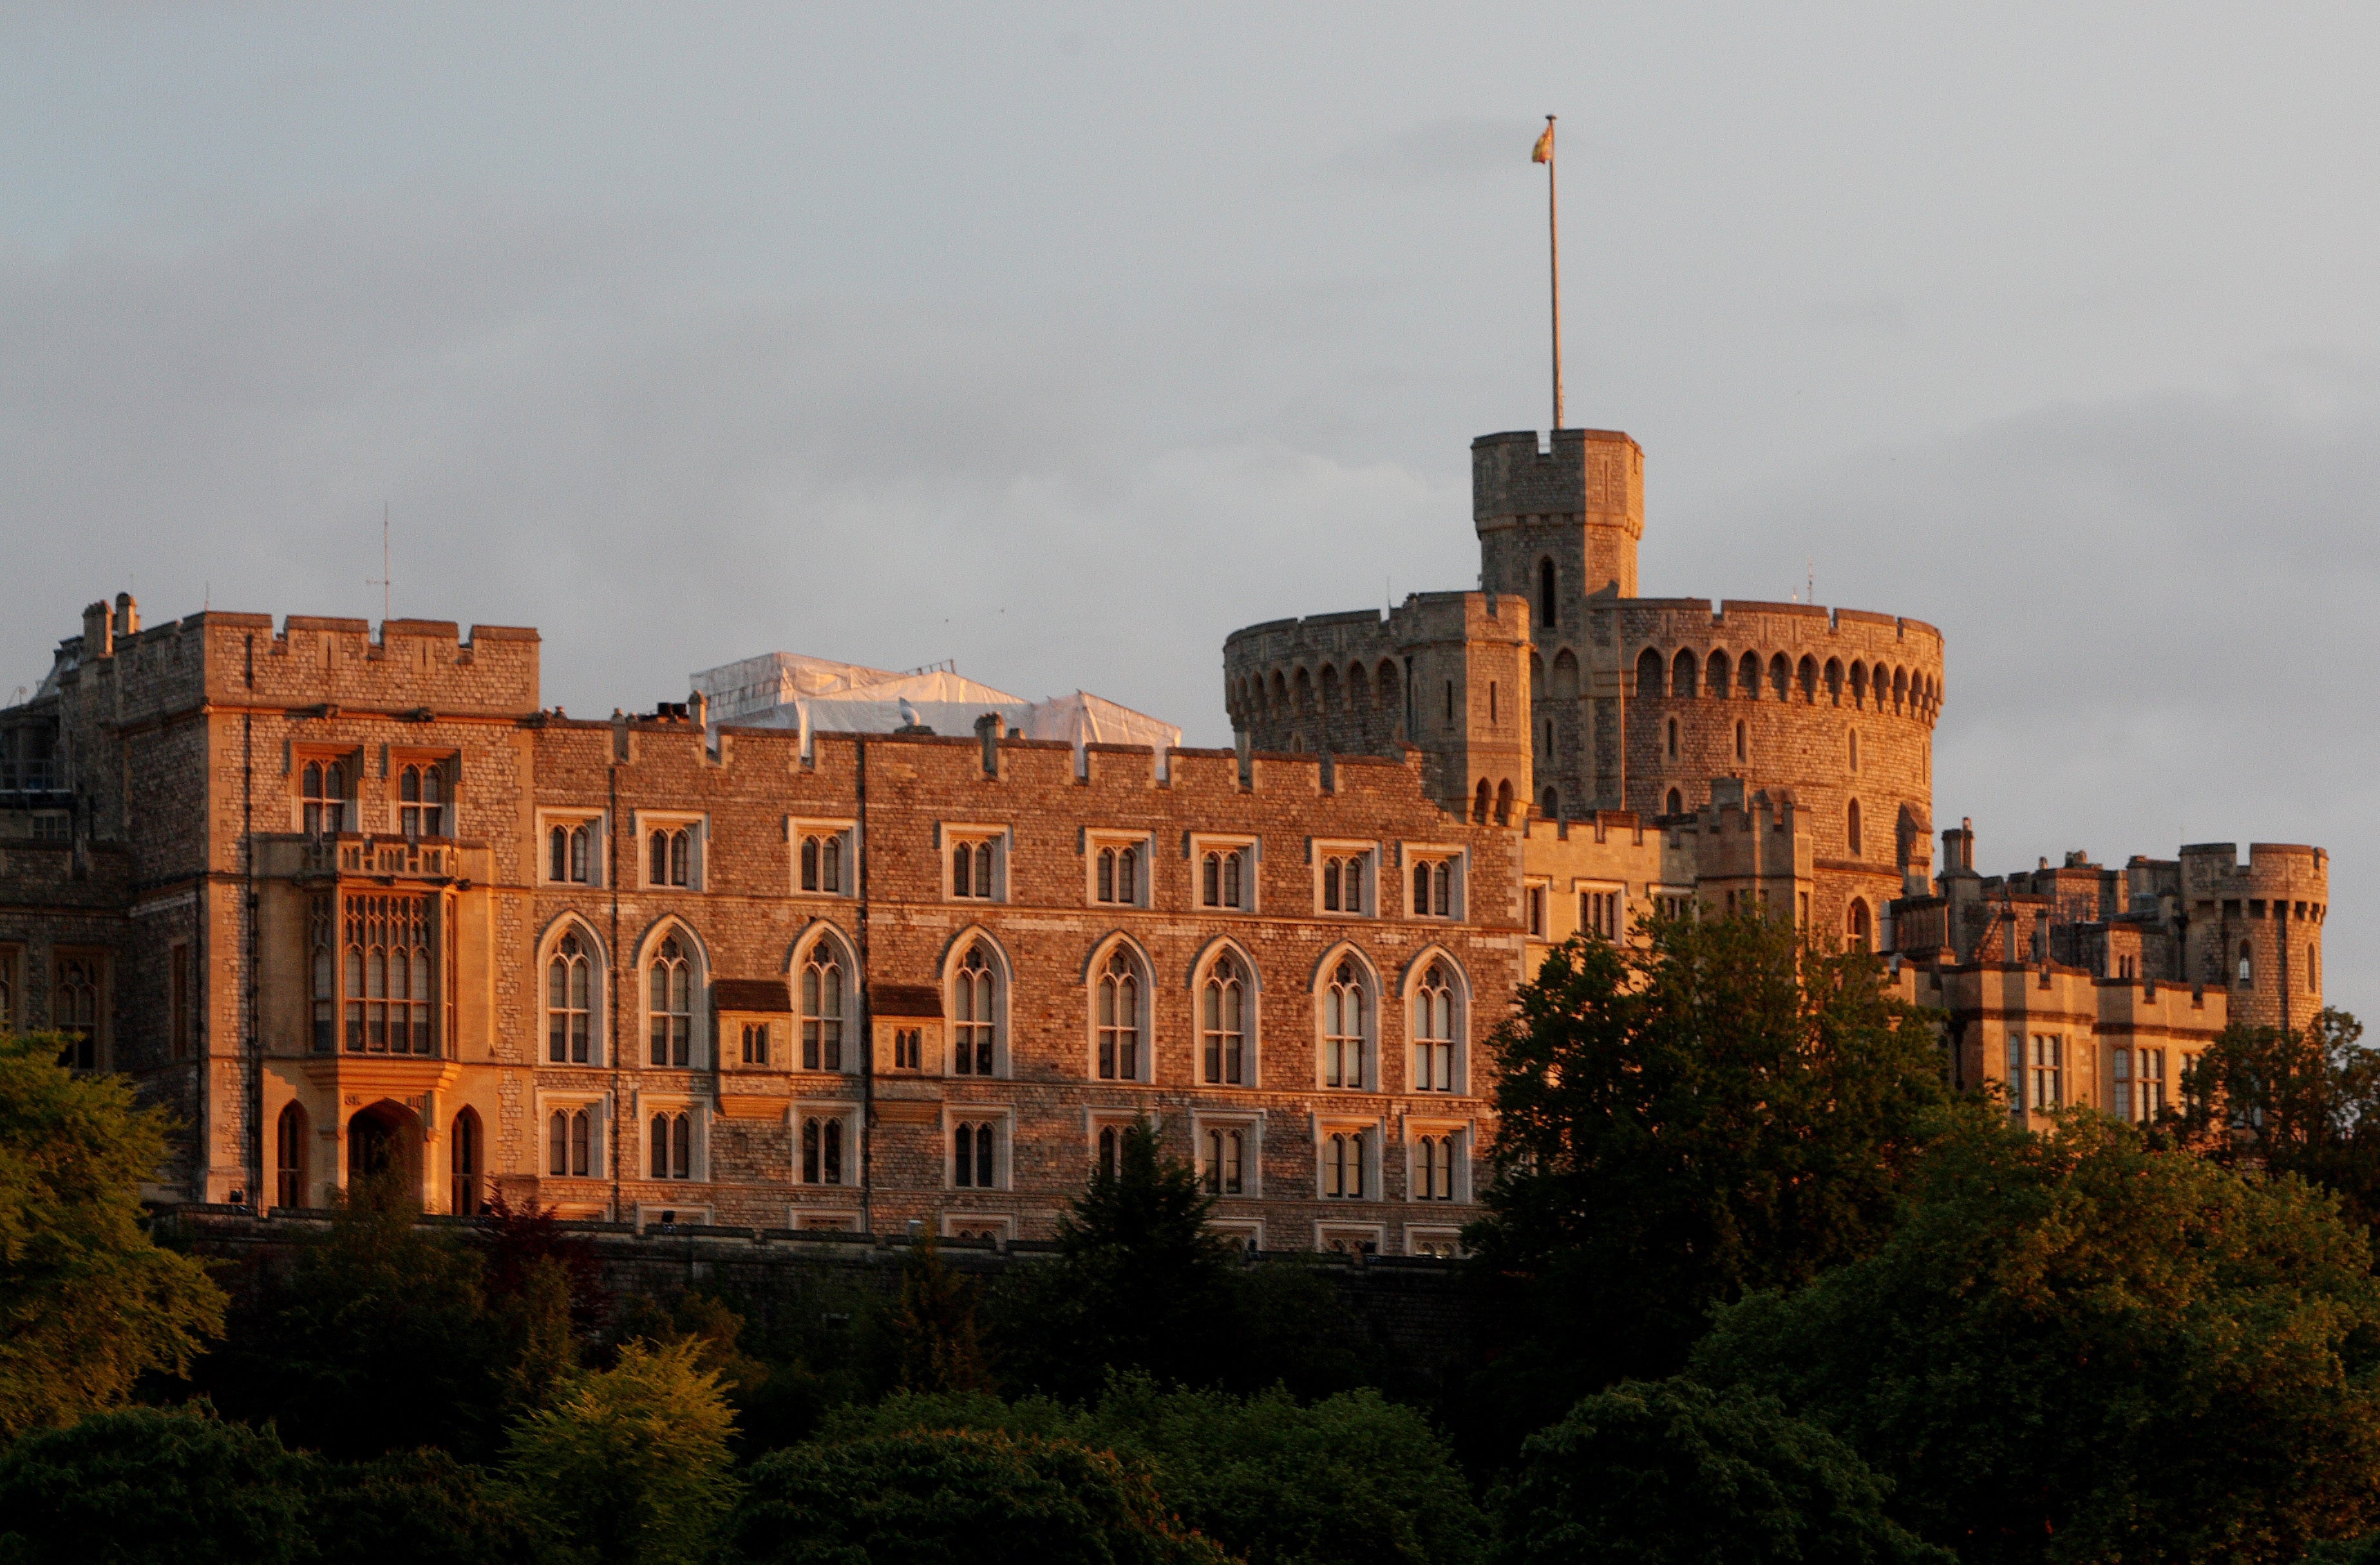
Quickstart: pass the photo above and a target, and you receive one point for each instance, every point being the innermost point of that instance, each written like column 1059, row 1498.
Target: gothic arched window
column 568, row 859
column 823, row 986
column 821, row 1150
column 1342, row 1166
column 1342, row 1027
column 669, row 1001
column 1433, row 1018
column 569, row 1003
column 1434, row 1169
column 1222, row 1023
column 1119, row 1018
column 973, row 1015
column 972, row 1155
column 673, row 1146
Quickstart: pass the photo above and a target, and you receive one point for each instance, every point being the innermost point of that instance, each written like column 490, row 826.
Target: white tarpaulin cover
column 785, row 690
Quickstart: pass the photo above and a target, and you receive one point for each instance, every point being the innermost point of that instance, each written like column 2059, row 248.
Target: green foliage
column 2306, row 1102
column 818, row 1338
column 534, row 1322
column 936, row 1341
column 382, row 1340
column 88, row 1305
column 2082, row 1348
column 1351, row 1478
column 143, row 1486
column 1673, row 1473
column 424, row 1508
column 1719, row 1110
column 147, row 1485
column 957, row 1497
column 1140, row 1284
column 632, row 1462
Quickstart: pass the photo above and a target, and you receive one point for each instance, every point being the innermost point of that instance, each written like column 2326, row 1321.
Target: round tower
column 1833, row 708
column 2255, row 930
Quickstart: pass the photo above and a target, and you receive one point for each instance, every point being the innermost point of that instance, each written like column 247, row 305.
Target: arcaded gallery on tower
column 824, row 947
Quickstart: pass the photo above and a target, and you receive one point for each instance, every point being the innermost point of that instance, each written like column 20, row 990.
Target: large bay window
column 389, row 973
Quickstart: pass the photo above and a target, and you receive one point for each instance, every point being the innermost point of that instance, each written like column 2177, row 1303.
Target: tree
column 2303, row 1101
column 522, row 1240
column 632, row 1462
column 1138, row 1282
column 935, row 1342
column 1351, row 1478
column 957, row 1497
column 88, row 1305
column 1674, row 1472
column 1720, row 1108
column 381, row 1340
column 794, row 1351
column 2082, row 1348
column 145, row 1485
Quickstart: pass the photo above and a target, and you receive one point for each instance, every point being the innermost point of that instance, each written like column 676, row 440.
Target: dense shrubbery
column 2081, row 1347
column 971, row 1495
column 1351, row 1477
column 1676, row 1473
column 149, row 1485
column 1767, row 1290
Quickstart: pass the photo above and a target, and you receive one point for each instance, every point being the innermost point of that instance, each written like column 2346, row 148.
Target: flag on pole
column 1544, row 152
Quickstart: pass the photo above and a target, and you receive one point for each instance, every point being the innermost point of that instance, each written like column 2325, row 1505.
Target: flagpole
column 1553, row 247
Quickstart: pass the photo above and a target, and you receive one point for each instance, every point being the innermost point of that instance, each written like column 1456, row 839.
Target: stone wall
column 1414, row 1324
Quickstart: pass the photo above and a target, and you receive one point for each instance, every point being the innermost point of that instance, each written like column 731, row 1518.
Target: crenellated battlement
column 410, row 665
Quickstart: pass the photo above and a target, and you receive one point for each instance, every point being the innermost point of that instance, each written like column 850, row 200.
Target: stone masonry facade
column 352, row 902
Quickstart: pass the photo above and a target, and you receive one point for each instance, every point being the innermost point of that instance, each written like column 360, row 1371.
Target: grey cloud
column 660, row 481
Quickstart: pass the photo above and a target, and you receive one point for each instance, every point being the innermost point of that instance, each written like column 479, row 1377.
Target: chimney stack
column 987, row 729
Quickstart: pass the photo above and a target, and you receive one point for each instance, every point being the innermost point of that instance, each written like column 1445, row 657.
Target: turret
column 1558, row 526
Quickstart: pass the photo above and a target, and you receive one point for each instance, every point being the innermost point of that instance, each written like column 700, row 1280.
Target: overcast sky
column 1062, row 341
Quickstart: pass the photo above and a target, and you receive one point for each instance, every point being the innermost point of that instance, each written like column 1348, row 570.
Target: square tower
column 1558, row 526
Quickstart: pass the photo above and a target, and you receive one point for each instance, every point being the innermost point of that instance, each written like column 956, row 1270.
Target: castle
column 355, row 903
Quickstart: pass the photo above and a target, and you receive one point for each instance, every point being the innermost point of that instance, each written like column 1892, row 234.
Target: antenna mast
column 382, row 581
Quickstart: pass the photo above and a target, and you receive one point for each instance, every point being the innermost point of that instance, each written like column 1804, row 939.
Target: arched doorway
column 463, row 1164
column 384, row 1141
column 289, row 1158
